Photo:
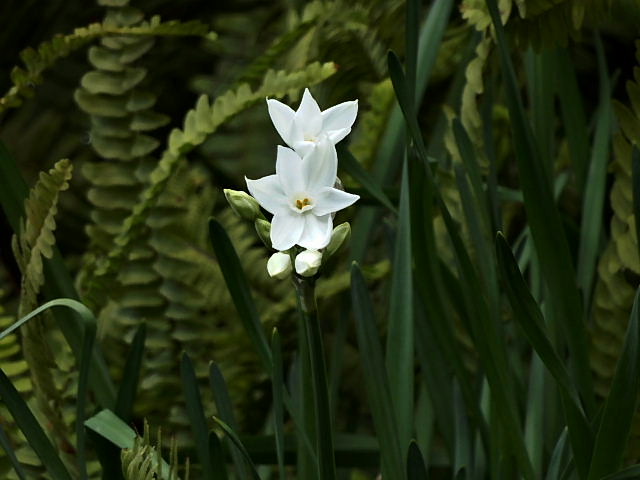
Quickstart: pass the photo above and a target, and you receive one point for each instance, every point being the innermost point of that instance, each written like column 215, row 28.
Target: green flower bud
column 243, row 204
column 339, row 237
column 263, row 228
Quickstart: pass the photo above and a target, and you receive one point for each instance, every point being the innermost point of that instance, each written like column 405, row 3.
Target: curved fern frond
column 37, row 60
column 199, row 123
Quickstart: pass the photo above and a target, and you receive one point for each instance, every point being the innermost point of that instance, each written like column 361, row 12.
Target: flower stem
column 305, row 291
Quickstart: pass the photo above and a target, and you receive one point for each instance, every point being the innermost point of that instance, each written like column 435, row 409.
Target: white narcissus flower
column 301, row 196
column 304, row 128
column 279, row 265
column 308, row 263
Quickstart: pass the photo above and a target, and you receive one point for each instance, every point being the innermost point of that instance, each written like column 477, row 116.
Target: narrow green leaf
column 375, row 378
column 217, row 457
column 196, row 416
column 278, row 410
column 463, row 445
column 412, row 24
column 621, row 403
column 595, row 187
column 416, row 469
column 546, row 227
column 629, row 473
column 400, row 324
column 239, row 289
column 350, row 165
column 225, row 412
column 5, row 443
column 635, row 169
column 528, row 316
column 89, row 336
column 108, row 425
column 32, row 430
column 131, row 375
column 558, row 457
column 238, row 444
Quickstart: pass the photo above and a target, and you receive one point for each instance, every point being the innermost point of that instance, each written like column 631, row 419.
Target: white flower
column 279, row 265
column 301, row 197
column 308, row 262
column 304, row 128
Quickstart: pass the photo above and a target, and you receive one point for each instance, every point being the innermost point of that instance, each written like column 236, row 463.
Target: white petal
column 282, row 117
column 289, row 170
column 330, row 200
column 308, row 262
column 336, row 135
column 279, row 265
column 286, row 229
column 317, row 231
column 308, row 116
column 303, row 147
column 340, row 116
column 268, row 192
column 321, row 165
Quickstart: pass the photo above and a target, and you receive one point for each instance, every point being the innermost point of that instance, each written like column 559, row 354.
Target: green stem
column 305, row 292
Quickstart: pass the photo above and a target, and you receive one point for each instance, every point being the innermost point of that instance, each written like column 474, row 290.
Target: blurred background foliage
column 112, row 113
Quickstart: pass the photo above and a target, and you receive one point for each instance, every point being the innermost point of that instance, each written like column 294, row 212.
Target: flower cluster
column 302, row 195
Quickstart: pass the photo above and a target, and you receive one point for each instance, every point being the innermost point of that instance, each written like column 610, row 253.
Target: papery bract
column 301, row 196
column 304, row 128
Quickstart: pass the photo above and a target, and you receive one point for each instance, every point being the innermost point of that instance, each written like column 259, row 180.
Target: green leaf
column 595, row 186
column 558, row 457
column 108, row 425
column 621, row 403
column 629, row 473
column 278, row 386
column 216, row 453
column 400, row 324
column 196, row 416
column 529, row 317
column 635, row 173
column 238, row 444
column 32, row 430
column 131, row 375
column 350, row 164
column 225, row 411
column 239, row 289
column 89, row 336
column 416, row 469
column 375, row 379
column 546, row 227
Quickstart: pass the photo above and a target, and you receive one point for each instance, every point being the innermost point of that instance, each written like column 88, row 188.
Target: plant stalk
column 305, row 292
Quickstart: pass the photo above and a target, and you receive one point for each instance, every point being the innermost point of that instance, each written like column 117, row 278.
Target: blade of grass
column 196, row 416
column 216, row 454
column 621, row 403
column 528, row 316
column 89, row 336
column 131, row 375
column 400, row 325
column 375, row 376
column 416, row 470
column 238, row 444
column 558, row 457
column 5, row 443
column 225, row 412
column 595, row 187
column 13, row 192
column 546, row 227
column 32, row 430
column 278, row 414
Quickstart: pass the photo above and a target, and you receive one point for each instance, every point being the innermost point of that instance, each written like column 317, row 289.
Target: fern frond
column 37, row 61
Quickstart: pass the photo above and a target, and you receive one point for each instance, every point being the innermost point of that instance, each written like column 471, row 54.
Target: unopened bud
column 243, row 204
column 279, row 265
column 263, row 228
column 308, row 263
column 339, row 237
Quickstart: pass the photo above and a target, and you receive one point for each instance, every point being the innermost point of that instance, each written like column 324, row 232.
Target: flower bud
column 308, row 262
column 339, row 237
column 243, row 204
column 263, row 228
column 279, row 265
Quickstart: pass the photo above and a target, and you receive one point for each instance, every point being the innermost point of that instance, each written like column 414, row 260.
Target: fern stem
column 306, row 296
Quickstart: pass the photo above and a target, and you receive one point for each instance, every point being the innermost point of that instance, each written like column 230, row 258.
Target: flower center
column 302, row 204
column 311, row 138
